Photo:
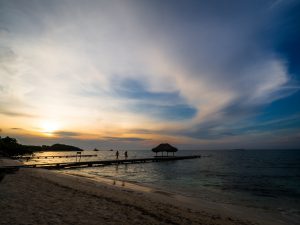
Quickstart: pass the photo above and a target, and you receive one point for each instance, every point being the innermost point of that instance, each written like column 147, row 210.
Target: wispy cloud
column 197, row 69
column 16, row 128
column 64, row 134
column 124, row 139
column 15, row 114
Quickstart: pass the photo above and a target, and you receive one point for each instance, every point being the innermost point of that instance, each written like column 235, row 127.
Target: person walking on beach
column 126, row 155
column 117, row 154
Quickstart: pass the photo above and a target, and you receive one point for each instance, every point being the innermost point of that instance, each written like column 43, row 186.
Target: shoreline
column 243, row 213
column 35, row 196
column 118, row 196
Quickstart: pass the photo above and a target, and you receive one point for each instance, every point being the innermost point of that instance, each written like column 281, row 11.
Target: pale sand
column 36, row 196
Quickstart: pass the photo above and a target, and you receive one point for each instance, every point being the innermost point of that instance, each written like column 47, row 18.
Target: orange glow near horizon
column 49, row 127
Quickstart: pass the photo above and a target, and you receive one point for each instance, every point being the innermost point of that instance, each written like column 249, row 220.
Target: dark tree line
column 10, row 147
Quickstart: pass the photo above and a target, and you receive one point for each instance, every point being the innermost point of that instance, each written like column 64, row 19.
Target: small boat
column 96, row 150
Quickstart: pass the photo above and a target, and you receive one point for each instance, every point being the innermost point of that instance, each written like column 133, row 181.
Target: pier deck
column 66, row 165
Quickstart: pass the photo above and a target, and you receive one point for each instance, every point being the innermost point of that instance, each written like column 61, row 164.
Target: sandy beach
column 36, row 196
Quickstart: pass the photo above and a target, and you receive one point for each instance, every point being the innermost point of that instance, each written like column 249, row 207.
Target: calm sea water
column 265, row 179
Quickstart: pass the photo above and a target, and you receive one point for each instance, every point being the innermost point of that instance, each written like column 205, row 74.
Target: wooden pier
column 68, row 165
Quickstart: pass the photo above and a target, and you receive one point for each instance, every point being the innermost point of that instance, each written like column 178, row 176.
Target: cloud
column 129, row 139
column 195, row 69
column 141, row 131
column 137, row 90
column 65, row 134
column 15, row 114
column 164, row 105
column 215, row 130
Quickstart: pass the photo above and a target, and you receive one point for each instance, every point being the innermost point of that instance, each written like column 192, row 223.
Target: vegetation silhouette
column 10, row 147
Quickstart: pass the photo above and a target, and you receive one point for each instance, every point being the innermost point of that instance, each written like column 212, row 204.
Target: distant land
column 10, row 147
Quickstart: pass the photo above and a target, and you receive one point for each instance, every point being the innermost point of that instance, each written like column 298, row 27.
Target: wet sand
column 36, row 196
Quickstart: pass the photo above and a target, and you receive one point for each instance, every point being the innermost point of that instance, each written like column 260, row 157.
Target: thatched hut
column 165, row 147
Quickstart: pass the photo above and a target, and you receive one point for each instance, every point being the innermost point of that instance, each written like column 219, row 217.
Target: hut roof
column 165, row 147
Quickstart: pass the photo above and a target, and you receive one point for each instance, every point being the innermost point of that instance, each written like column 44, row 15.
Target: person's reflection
column 123, row 184
column 117, row 167
column 114, row 182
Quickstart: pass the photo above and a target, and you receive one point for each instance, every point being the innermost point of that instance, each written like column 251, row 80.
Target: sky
column 131, row 74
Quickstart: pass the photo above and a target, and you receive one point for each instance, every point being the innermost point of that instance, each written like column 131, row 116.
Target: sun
column 49, row 127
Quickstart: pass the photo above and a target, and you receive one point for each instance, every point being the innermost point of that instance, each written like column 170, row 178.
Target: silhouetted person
column 117, row 155
column 126, row 155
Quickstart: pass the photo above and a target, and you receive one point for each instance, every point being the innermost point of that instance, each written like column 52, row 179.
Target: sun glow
column 49, row 127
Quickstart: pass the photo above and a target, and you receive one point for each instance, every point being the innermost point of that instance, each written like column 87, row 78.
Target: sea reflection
column 70, row 156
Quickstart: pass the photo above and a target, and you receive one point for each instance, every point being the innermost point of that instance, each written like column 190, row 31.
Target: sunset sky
column 134, row 73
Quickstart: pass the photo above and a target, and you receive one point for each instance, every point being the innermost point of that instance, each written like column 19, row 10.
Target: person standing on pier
column 126, row 155
column 117, row 154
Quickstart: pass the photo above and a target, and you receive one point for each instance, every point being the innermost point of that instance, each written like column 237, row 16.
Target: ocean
column 261, row 179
